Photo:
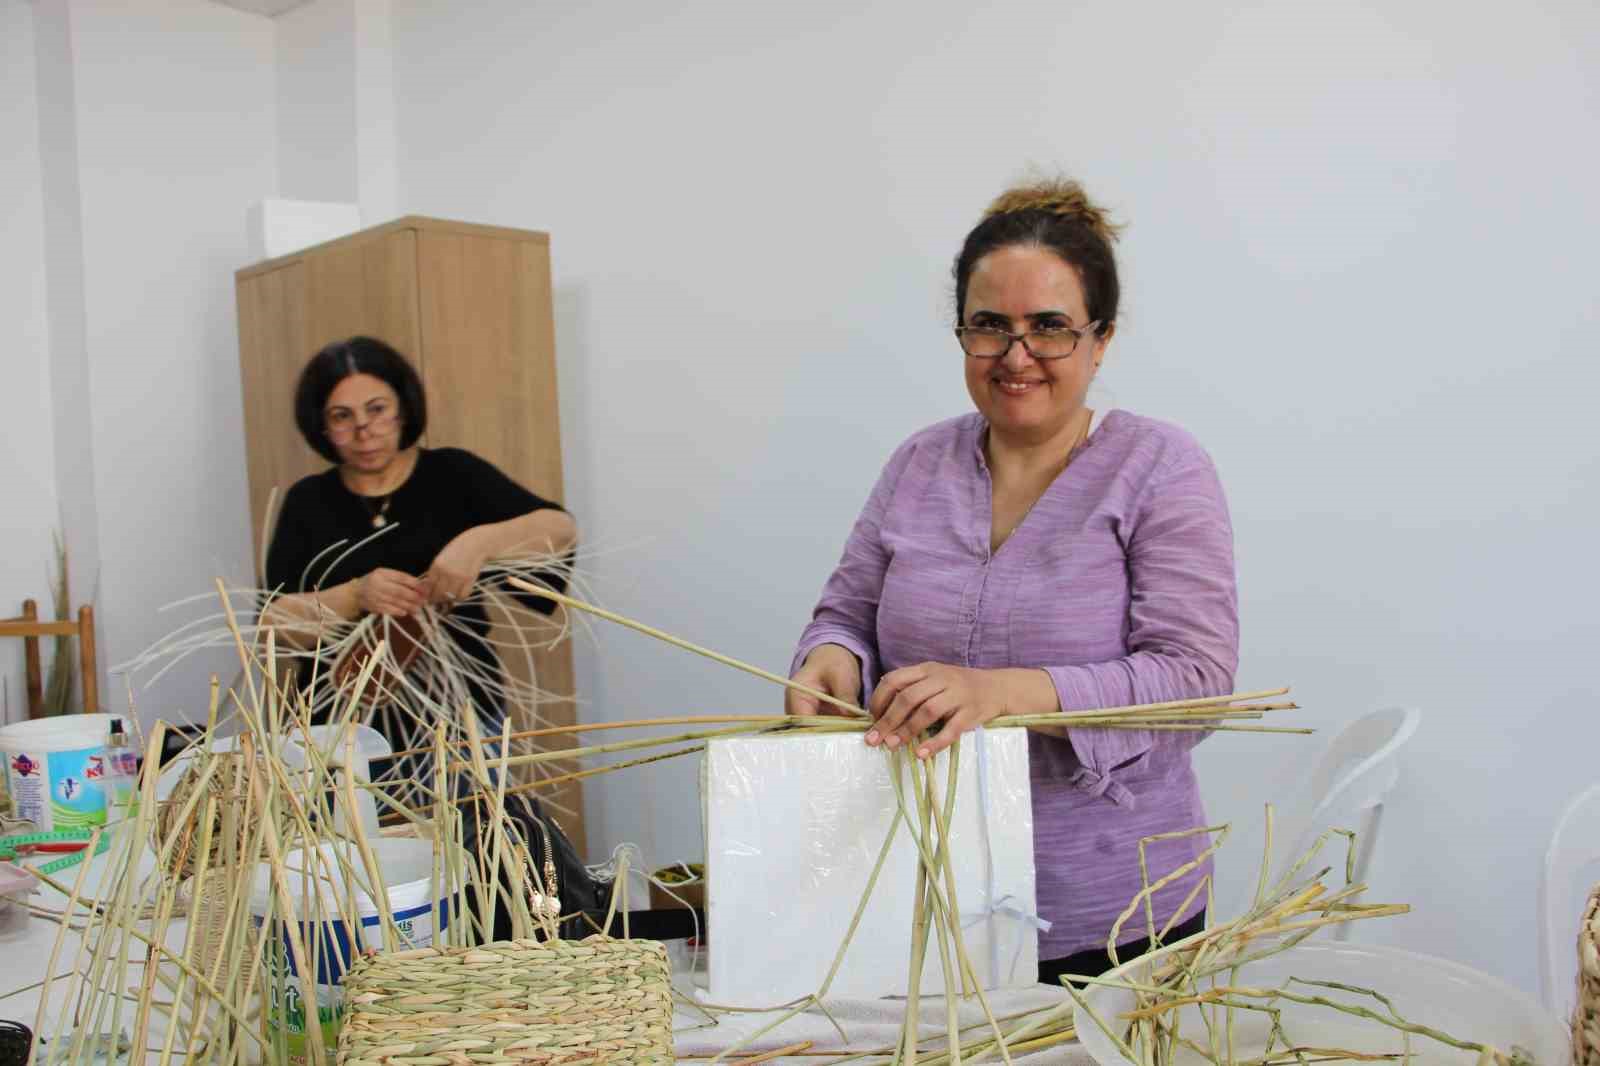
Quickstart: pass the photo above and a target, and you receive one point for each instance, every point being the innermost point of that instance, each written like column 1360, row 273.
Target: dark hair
column 342, row 359
column 1058, row 216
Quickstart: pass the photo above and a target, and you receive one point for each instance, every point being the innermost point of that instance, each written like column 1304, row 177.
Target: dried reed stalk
column 1203, row 971
column 218, row 1010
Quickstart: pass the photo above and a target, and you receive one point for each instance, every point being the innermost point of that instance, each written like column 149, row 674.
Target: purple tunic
column 1119, row 583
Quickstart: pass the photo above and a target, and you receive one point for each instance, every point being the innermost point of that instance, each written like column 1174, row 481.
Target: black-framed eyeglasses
column 990, row 342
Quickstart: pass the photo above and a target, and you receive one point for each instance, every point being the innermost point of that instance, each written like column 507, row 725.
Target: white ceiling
column 264, row 7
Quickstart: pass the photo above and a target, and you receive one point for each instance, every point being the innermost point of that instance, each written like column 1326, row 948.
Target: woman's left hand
column 455, row 569
column 912, row 699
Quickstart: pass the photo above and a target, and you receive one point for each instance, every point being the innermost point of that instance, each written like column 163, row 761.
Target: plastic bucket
column 352, row 749
column 406, row 867
column 57, row 769
column 1435, row 992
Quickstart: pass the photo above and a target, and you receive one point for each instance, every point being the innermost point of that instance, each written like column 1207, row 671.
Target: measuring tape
column 11, row 845
column 67, row 862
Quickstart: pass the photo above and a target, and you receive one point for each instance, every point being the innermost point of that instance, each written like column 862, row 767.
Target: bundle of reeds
column 60, row 690
column 269, row 868
column 420, row 675
column 1204, row 971
column 281, row 899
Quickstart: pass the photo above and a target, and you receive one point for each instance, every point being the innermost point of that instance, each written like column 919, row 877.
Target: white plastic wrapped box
column 794, row 826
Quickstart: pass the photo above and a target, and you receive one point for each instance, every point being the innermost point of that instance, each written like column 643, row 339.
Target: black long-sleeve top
column 450, row 491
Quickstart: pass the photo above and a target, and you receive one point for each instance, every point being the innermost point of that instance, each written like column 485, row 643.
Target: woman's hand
column 915, row 698
column 830, row 668
column 456, row 568
column 391, row 592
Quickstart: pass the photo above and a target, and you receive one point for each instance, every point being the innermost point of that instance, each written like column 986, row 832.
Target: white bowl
column 1443, row 995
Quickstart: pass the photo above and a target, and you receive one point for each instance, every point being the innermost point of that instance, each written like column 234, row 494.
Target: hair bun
column 1058, row 196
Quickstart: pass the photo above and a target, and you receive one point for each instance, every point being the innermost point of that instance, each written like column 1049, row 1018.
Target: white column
column 71, row 391
column 27, row 409
column 316, row 71
column 336, row 111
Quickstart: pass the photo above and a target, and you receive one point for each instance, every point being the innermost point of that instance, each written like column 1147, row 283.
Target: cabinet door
column 488, row 362
column 367, row 287
column 273, row 344
column 489, row 352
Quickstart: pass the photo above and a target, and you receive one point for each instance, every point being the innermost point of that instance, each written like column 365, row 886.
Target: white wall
column 1358, row 270
column 28, row 474
column 136, row 136
column 175, row 127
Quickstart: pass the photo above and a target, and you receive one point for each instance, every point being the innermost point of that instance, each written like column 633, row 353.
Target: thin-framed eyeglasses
column 991, row 342
column 342, row 425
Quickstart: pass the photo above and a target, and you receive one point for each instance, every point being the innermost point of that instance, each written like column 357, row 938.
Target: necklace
column 378, row 506
column 380, row 513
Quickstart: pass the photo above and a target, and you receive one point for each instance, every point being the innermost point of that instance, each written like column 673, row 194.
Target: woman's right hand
column 830, row 668
column 391, row 592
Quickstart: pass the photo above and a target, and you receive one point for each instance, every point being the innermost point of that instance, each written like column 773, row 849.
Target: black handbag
column 582, row 897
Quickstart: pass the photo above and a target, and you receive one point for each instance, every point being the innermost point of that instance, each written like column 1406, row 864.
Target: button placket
column 972, row 608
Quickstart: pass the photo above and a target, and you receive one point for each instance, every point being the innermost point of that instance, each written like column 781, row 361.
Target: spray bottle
column 122, row 773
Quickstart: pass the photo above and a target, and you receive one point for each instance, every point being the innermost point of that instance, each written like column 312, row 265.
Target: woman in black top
column 440, row 514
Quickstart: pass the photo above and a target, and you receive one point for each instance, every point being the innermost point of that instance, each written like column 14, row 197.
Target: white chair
column 1353, row 777
column 1574, row 850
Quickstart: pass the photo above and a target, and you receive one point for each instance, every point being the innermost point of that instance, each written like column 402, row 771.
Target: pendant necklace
column 378, row 506
column 380, row 514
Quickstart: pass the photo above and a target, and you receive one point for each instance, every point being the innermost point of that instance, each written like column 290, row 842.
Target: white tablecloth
column 869, row 1024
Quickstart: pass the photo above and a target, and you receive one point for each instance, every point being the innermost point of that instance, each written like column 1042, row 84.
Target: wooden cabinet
column 470, row 305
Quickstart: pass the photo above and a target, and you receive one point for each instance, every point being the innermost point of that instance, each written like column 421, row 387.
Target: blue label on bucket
column 59, row 789
column 336, row 953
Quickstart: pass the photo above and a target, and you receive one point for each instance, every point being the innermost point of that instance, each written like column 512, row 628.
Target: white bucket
column 406, row 866
column 366, row 744
column 292, row 757
column 57, row 770
column 1435, row 992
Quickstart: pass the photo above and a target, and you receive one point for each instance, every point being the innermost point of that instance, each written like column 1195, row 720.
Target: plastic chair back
column 1563, row 884
column 1347, row 790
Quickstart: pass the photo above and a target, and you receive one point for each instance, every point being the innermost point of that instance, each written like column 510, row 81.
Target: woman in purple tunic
column 1033, row 557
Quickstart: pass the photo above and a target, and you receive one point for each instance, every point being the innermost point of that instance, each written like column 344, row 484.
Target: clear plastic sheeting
column 794, row 826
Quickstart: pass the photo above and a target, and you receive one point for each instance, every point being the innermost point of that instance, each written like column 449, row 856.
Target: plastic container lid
column 62, row 732
column 367, row 742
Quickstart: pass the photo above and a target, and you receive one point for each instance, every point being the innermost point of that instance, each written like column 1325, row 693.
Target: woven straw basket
column 546, row 1003
column 1586, row 1019
column 209, row 915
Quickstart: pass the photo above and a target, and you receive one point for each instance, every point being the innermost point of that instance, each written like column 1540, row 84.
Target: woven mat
column 521, row 1001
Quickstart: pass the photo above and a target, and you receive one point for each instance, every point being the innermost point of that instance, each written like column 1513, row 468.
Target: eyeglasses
column 341, row 424
column 988, row 342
